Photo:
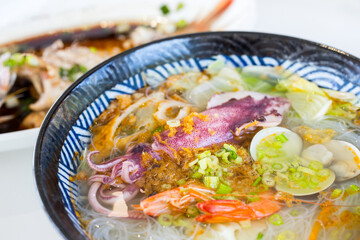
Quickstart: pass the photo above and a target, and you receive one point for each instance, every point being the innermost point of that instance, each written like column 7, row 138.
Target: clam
column 291, row 147
column 346, row 159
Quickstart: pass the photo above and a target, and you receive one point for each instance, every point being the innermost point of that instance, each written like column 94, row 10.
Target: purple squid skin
column 224, row 120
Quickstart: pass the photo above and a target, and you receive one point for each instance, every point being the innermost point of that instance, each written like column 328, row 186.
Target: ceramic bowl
column 65, row 131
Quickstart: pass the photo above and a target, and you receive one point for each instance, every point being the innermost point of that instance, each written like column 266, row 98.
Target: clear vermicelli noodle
column 250, row 157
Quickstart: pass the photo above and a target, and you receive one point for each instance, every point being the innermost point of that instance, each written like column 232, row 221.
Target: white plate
column 22, row 19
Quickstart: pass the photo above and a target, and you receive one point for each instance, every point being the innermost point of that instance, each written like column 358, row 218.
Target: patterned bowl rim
column 39, row 142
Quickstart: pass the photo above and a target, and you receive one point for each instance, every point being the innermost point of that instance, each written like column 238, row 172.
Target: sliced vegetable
column 336, row 193
column 257, row 181
column 211, row 182
column 164, row 9
column 165, row 219
column 180, row 6
column 181, row 23
column 286, row 235
column 259, row 236
column 223, row 189
column 276, row 219
column 192, row 212
column 310, row 107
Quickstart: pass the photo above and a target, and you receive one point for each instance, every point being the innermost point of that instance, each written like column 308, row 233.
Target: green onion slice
column 336, row 193
column 165, row 219
column 276, row 219
column 281, row 138
column 257, row 181
column 286, row 235
column 223, row 189
column 165, row 9
column 316, row 165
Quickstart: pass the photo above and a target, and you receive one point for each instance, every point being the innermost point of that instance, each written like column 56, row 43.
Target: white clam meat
column 291, row 147
column 318, row 152
column 346, row 159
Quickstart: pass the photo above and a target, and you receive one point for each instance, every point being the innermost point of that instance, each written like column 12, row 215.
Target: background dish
column 64, row 131
column 240, row 16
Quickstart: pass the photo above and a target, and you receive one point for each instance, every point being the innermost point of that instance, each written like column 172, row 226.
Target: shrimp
column 174, row 199
column 219, row 211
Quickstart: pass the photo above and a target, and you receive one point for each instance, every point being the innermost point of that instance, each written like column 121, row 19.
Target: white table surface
column 333, row 22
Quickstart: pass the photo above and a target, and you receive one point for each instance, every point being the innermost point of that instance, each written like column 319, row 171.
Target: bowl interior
column 65, row 131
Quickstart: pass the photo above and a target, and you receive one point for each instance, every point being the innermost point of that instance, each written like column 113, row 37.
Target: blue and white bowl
column 65, row 131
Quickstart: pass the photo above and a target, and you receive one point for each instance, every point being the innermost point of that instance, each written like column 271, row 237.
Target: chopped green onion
column 180, row 6
column 354, row 187
column 306, row 170
column 165, row 219
column 281, row 138
column 73, row 73
column 252, row 198
column 229, row 147
column 279, row 167
column 180, row 222
column 32, row 61
column 233, row 154
column 196, row 175
column 260, row 154
column 165, row 9
column 336, row 193
column 181, row 23
column 220, row 152
column 16, row 60
column 294, row 213
column 238, row 160
column 211, row 182
column 286, row 235
column 223, row 189
column 295, row 164
column 323, row 173
column 204, row 154
column 209, row 172
column 276, row 219
column 316, row 165
column 259, row 236
column 225, row 157
column 276, row 145
column 262, row 188
column 257, row 181
column 268, row 180
column 302, row 183
column 203, row 165
column 181, row 182
column 297, row 176
column 315, row 180
column 158, row 129
column 191, row 164
column 192, row 212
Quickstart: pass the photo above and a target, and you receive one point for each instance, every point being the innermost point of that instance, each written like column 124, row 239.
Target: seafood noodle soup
column 227, row 153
